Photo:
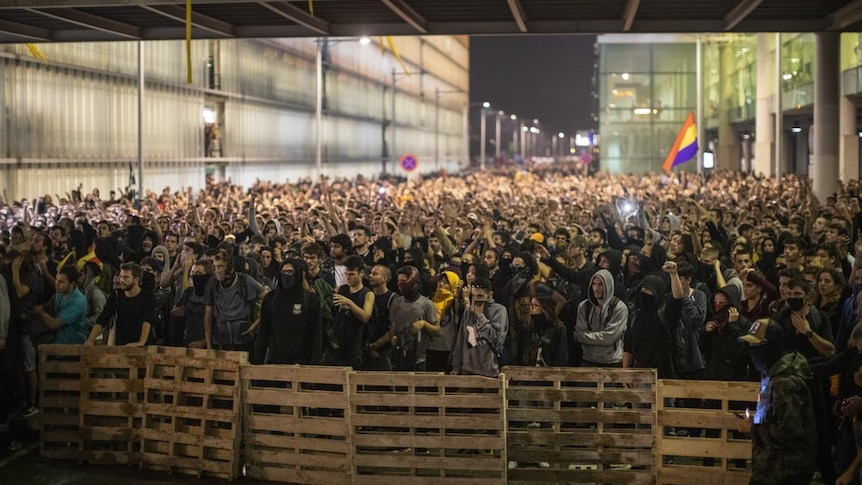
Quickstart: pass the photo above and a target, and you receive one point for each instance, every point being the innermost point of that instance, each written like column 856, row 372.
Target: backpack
column 403, row 354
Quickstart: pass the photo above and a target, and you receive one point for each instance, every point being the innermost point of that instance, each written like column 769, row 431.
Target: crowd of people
column 721, row 276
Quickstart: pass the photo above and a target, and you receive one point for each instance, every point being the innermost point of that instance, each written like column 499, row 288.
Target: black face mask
column 148, row 281
column 287, row 281
column 200, row 283
column 540, row 323
column 213, row 241
column 796, row 304
column 646, row 302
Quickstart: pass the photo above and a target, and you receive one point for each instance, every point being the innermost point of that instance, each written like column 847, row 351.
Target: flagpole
column 699, row 90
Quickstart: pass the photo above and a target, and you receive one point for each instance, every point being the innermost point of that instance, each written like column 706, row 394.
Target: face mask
column 148, row 281
column 287, row 281
column 721, row 308
column 200, row 283
column 540, row 322
column 646, row 302
column 212, row 241
column 796, row 304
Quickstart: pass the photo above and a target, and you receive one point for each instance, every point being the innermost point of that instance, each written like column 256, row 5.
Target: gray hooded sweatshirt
column 599, row 328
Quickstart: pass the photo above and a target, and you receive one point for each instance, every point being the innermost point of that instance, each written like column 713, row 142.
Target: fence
column 209, row 413
column 704, row 448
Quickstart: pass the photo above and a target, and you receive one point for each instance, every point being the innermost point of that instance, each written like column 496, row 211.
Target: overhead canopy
column 103, row 20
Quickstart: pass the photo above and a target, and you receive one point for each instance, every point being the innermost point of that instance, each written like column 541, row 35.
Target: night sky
column 544, row 77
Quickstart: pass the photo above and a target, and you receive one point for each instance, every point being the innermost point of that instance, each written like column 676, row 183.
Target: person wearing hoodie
column 783, row 428
column 648, row 341
column 413, row 319
column 727, row 357
column 448, row 306
column 482, row 333
column 601, row 323
column 188, row 311
column 290, row 330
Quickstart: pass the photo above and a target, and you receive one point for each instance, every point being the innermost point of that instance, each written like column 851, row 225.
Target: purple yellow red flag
column 685, row 147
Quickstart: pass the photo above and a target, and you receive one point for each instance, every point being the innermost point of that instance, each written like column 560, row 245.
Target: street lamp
column 323, row 43
column 437, row 94
column 482, row 134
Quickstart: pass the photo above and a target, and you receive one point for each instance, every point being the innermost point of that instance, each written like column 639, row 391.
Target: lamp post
column 482, row 135
column 322, row 43
column 499, row 116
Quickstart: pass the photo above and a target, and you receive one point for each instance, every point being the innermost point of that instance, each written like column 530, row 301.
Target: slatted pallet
column 729, row 451
column 111, row 407
column 427, row 429
column 296, row 424
column 192, row 412
column 60, row 370
column 581, row 425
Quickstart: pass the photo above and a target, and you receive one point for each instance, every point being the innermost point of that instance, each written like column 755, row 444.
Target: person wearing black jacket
column 648, row 341
column 290, row 331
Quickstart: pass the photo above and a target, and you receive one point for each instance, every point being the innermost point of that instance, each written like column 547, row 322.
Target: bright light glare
column 486, row 104
column 513, row 117
column 796, row 129
column 364, row 40
column 625, row 76
column 209, row 115
column 561, row 135
column 642, row 111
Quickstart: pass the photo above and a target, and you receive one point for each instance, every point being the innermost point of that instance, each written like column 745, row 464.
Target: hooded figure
column 728, row 358
column 601, row 323
column 648, row 340
column 784, row 430
column 290, row 330
column 409, row 289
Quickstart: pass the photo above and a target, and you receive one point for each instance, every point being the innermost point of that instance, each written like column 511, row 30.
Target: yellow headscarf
column 443, row 298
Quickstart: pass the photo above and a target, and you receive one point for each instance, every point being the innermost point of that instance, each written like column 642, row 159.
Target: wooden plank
column 426, row 379
column 319, row 426
column 69, row 368
column 618, row 440
column 716, row 390
column 581, row 395
column 63, row 385
column 426, row 480
column 690, row 475
column 582, row 415
column 133, row 386
column 715, row 448
column 295, row 373
column 296, row 475
column 587, row 456
column 432, row 461
column 287, row 397
column 253, row 441
column 540, row 475
column 691, row 418
column 419, row 441
column 187, row 439
column 582, row 374
column 427, row 401
column 310, row 460
column 191, row 412
column 192, row 388
column 476, row 422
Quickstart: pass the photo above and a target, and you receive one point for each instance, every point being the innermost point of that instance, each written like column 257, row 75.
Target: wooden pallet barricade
column 192, row 412
column 296, row 424
column 423, row 428
column 580, row 425
column 111, row 406
column 60, row 370
column 723, row 458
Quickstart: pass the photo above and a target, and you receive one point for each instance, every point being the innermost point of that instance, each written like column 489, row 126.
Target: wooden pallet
column 111, row 410
column 296, row 424
column 60, row 370
column 192, row 412
column 730, row 451
column 418, row 428
column 581, row 425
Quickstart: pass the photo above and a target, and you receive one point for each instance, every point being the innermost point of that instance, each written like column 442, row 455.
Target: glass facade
column 645, row 93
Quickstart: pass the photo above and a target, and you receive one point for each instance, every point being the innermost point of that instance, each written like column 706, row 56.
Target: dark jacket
column 648, row 336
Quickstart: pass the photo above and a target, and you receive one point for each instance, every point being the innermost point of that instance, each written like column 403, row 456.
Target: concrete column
column 728, row 150
column 764, row 126
column 848, row 149
column 826, row 95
